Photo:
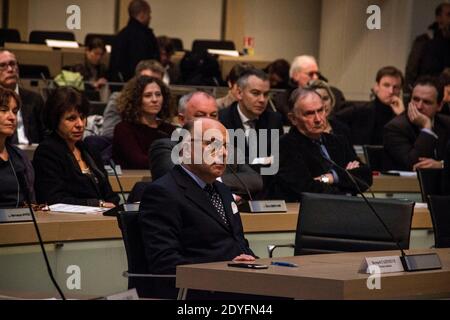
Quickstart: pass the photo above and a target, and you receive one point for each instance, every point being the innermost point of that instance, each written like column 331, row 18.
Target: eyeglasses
column 4, row 66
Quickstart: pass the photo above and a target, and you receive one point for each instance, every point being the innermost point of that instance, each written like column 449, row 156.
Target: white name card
column 386, row 264
column 127, row 295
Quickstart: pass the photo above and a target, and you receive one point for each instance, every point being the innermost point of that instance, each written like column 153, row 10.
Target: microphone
column 258, row 206
column 113, row 166
column 416, row 262
column 125, row 206
column 26, row 192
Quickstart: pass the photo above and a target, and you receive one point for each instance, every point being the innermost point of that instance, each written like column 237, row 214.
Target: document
column 69, row 208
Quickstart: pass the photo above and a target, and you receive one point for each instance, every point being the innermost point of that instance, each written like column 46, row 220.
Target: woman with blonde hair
column 143, row 106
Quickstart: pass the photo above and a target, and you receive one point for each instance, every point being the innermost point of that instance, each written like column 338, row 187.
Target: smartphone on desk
column 248, row 265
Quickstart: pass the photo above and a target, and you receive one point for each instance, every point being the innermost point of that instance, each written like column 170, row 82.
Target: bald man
column 187, row 216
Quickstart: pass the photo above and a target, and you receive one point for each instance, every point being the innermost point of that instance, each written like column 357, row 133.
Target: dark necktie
column 216, row 202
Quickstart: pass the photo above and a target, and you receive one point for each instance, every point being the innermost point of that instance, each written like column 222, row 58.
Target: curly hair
column 130, row 100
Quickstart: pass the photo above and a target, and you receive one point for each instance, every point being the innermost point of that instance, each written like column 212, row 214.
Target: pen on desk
column 283, row 264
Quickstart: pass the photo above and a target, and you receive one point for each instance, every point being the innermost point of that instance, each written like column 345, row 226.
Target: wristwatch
column 324, row 179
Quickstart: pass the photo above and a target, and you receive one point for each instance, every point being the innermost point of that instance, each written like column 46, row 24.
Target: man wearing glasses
column 29, row 126
column 187, row 216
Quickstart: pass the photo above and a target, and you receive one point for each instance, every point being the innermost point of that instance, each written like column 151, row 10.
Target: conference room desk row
column 381, row 184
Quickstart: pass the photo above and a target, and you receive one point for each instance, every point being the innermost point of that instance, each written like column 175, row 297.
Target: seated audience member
column 304, row 152
column 171, row 70
column 445, row 82
column 143, row 106
column 93, row 70
column 111, row 115
column 29, row 124
column 333, row 125
column 446, row 176
column 13, row 162
column 366, row 122
column 202, row 225
column 278, row 72
column 250, row 113
column 235, row 72
column 417, row 138
column 66, row 170
column 303, row 70
column 199, row 104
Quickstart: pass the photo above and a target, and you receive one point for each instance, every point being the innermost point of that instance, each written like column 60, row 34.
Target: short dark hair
column 166, row 44
column 96, row 43
column 444, row 78
column 60, row 101
column 440, row 8
column 243, row 79
column 237, row 70
column 130, row 100
column 300, row 93
column 432, row 82
column 136, row 7
column 153, row 65
column 6, row 95
column 391, row 72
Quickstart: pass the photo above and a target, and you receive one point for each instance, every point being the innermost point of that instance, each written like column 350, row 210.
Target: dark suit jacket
column 32, row 104
column 180, row 226
column 268, row 120
column 134, row 43
column 301, row 161
column 161, row 163
column 60, row 180
column 366, row 121
column 446, row 173
column 404, row 142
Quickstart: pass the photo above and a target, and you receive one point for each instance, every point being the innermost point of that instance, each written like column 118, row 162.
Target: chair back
column 177, row 44
column 34, row 71
column 440, row 215
column 9, row 35
column 332, row 223
column 39, row 37
column 137, row 263
column 108, row 39
column 199, row 46
column 374, row 157
column 430, row 181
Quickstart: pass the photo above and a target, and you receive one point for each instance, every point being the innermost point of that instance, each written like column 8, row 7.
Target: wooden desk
column 129, row 178
column 287, row 222
column 64, row 227
column 332, row 276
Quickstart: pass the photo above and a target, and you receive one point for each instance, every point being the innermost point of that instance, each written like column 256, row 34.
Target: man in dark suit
column 29, row 126
column 307, row 154
column 367, row 121
column 417, row 139
column 249, row 116
column 134, row 43
column 187, row 216
column 199, row 104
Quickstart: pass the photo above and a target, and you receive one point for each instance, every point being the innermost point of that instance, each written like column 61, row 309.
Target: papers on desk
column 69, row 208
column 421, row 205
column 265, row 161
column 403, row 173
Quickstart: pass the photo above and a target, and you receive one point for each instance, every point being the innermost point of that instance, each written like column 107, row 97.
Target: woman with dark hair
column 14, row 164
column 143, row 105
column 66, row 170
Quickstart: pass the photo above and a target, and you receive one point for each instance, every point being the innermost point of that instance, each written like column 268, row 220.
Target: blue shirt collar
column 197, row 180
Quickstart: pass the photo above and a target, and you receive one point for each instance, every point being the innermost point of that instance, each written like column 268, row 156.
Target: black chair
column 108, row 39
column 440, row 215
column 374, row 157
column 39, row 37
column 31, row 71
column 430, row 181
column 9, row 35
column 200, row 46
column 137, row 192
column 335, row 223
column 177, row 44
column 147, row 285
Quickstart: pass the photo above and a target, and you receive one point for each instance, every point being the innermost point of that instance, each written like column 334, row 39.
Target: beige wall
column 96, row 16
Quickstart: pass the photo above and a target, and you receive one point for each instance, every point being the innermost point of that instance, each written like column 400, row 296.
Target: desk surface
column 381, row 184
column 332, row 276
column 62, row 227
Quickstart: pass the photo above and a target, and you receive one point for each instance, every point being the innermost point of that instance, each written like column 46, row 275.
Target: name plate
column 262, row 206
column 386, row 264
column 127, row 295
column 15, row 215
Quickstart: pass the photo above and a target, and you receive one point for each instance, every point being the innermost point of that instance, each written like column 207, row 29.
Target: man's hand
column 330, row 178
column 397, row 105
column 352, row 165
column 244, row 257
column 100, row 83
column 417, row 118
column 427, row 163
